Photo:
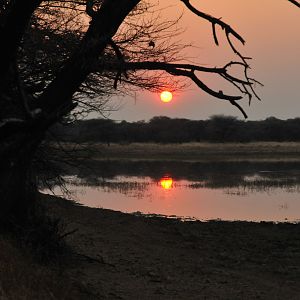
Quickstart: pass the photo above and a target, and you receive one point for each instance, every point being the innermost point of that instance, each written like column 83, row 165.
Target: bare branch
column 215, row 21
column 89, row 8
column 244, row 85
column 172, row 67
column 229, row 31
column 240, row 108
column 121, row 59
column 204, row 87
column 295, row 2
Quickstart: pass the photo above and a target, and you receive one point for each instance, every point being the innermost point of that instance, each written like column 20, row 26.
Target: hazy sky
column 271, row 29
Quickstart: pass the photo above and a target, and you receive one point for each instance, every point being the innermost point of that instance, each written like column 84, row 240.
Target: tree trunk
column 17, row 191
column 21, row 136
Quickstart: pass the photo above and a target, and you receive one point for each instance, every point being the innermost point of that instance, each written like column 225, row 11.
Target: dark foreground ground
column 121, row 256
column 130, row 257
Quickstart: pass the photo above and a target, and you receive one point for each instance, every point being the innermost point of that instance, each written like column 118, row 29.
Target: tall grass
column 21, row 277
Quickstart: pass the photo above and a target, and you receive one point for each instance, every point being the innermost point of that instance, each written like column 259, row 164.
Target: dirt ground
column 121, row 256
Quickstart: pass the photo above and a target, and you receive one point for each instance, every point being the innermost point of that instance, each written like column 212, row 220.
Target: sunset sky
column 271, row 29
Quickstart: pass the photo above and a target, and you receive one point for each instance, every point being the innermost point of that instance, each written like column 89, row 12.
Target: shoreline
column 255, row 151
column 135, row 257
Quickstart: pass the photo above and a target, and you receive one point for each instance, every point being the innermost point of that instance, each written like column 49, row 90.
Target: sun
column 166, row 96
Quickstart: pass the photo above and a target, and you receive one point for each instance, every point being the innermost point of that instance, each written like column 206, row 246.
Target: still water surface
column 227, row 191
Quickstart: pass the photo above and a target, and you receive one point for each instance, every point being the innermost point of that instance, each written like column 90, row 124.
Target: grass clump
column 40, row 235
column 34, row 259
column 22, row 277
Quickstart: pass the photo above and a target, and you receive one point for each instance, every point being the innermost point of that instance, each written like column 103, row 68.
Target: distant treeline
column 167, row 130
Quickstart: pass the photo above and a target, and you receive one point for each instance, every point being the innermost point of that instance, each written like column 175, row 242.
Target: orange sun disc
column 166, row 96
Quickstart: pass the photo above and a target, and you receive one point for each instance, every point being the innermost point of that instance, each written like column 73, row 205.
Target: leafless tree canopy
column 137, row 55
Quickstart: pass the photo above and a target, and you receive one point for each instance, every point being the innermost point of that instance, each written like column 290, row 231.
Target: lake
column 252, row 191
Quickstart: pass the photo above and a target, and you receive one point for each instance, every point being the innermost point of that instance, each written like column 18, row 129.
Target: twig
column 121, row 59
column 214, row 21
column 295, row 2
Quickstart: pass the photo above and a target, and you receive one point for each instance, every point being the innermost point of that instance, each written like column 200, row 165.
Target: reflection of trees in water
column 129, row 188
column 134, row 189
column 242, row 184
column 246, row 176
column 265, row 187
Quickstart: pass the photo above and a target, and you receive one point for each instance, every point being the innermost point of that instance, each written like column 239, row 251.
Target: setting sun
column 166, row 96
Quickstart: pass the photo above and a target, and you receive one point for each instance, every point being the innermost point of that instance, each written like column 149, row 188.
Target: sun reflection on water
column 166, row 182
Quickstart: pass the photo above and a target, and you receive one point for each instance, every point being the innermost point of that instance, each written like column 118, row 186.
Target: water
column 212, row 190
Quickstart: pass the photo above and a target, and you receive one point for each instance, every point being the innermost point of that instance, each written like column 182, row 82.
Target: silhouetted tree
column 167, row 130
column 54, row 61
column 221, row 128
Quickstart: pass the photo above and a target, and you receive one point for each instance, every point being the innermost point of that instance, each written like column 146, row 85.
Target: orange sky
column 271, row 29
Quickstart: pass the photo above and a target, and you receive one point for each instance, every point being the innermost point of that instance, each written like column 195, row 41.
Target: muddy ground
column 122, row 256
